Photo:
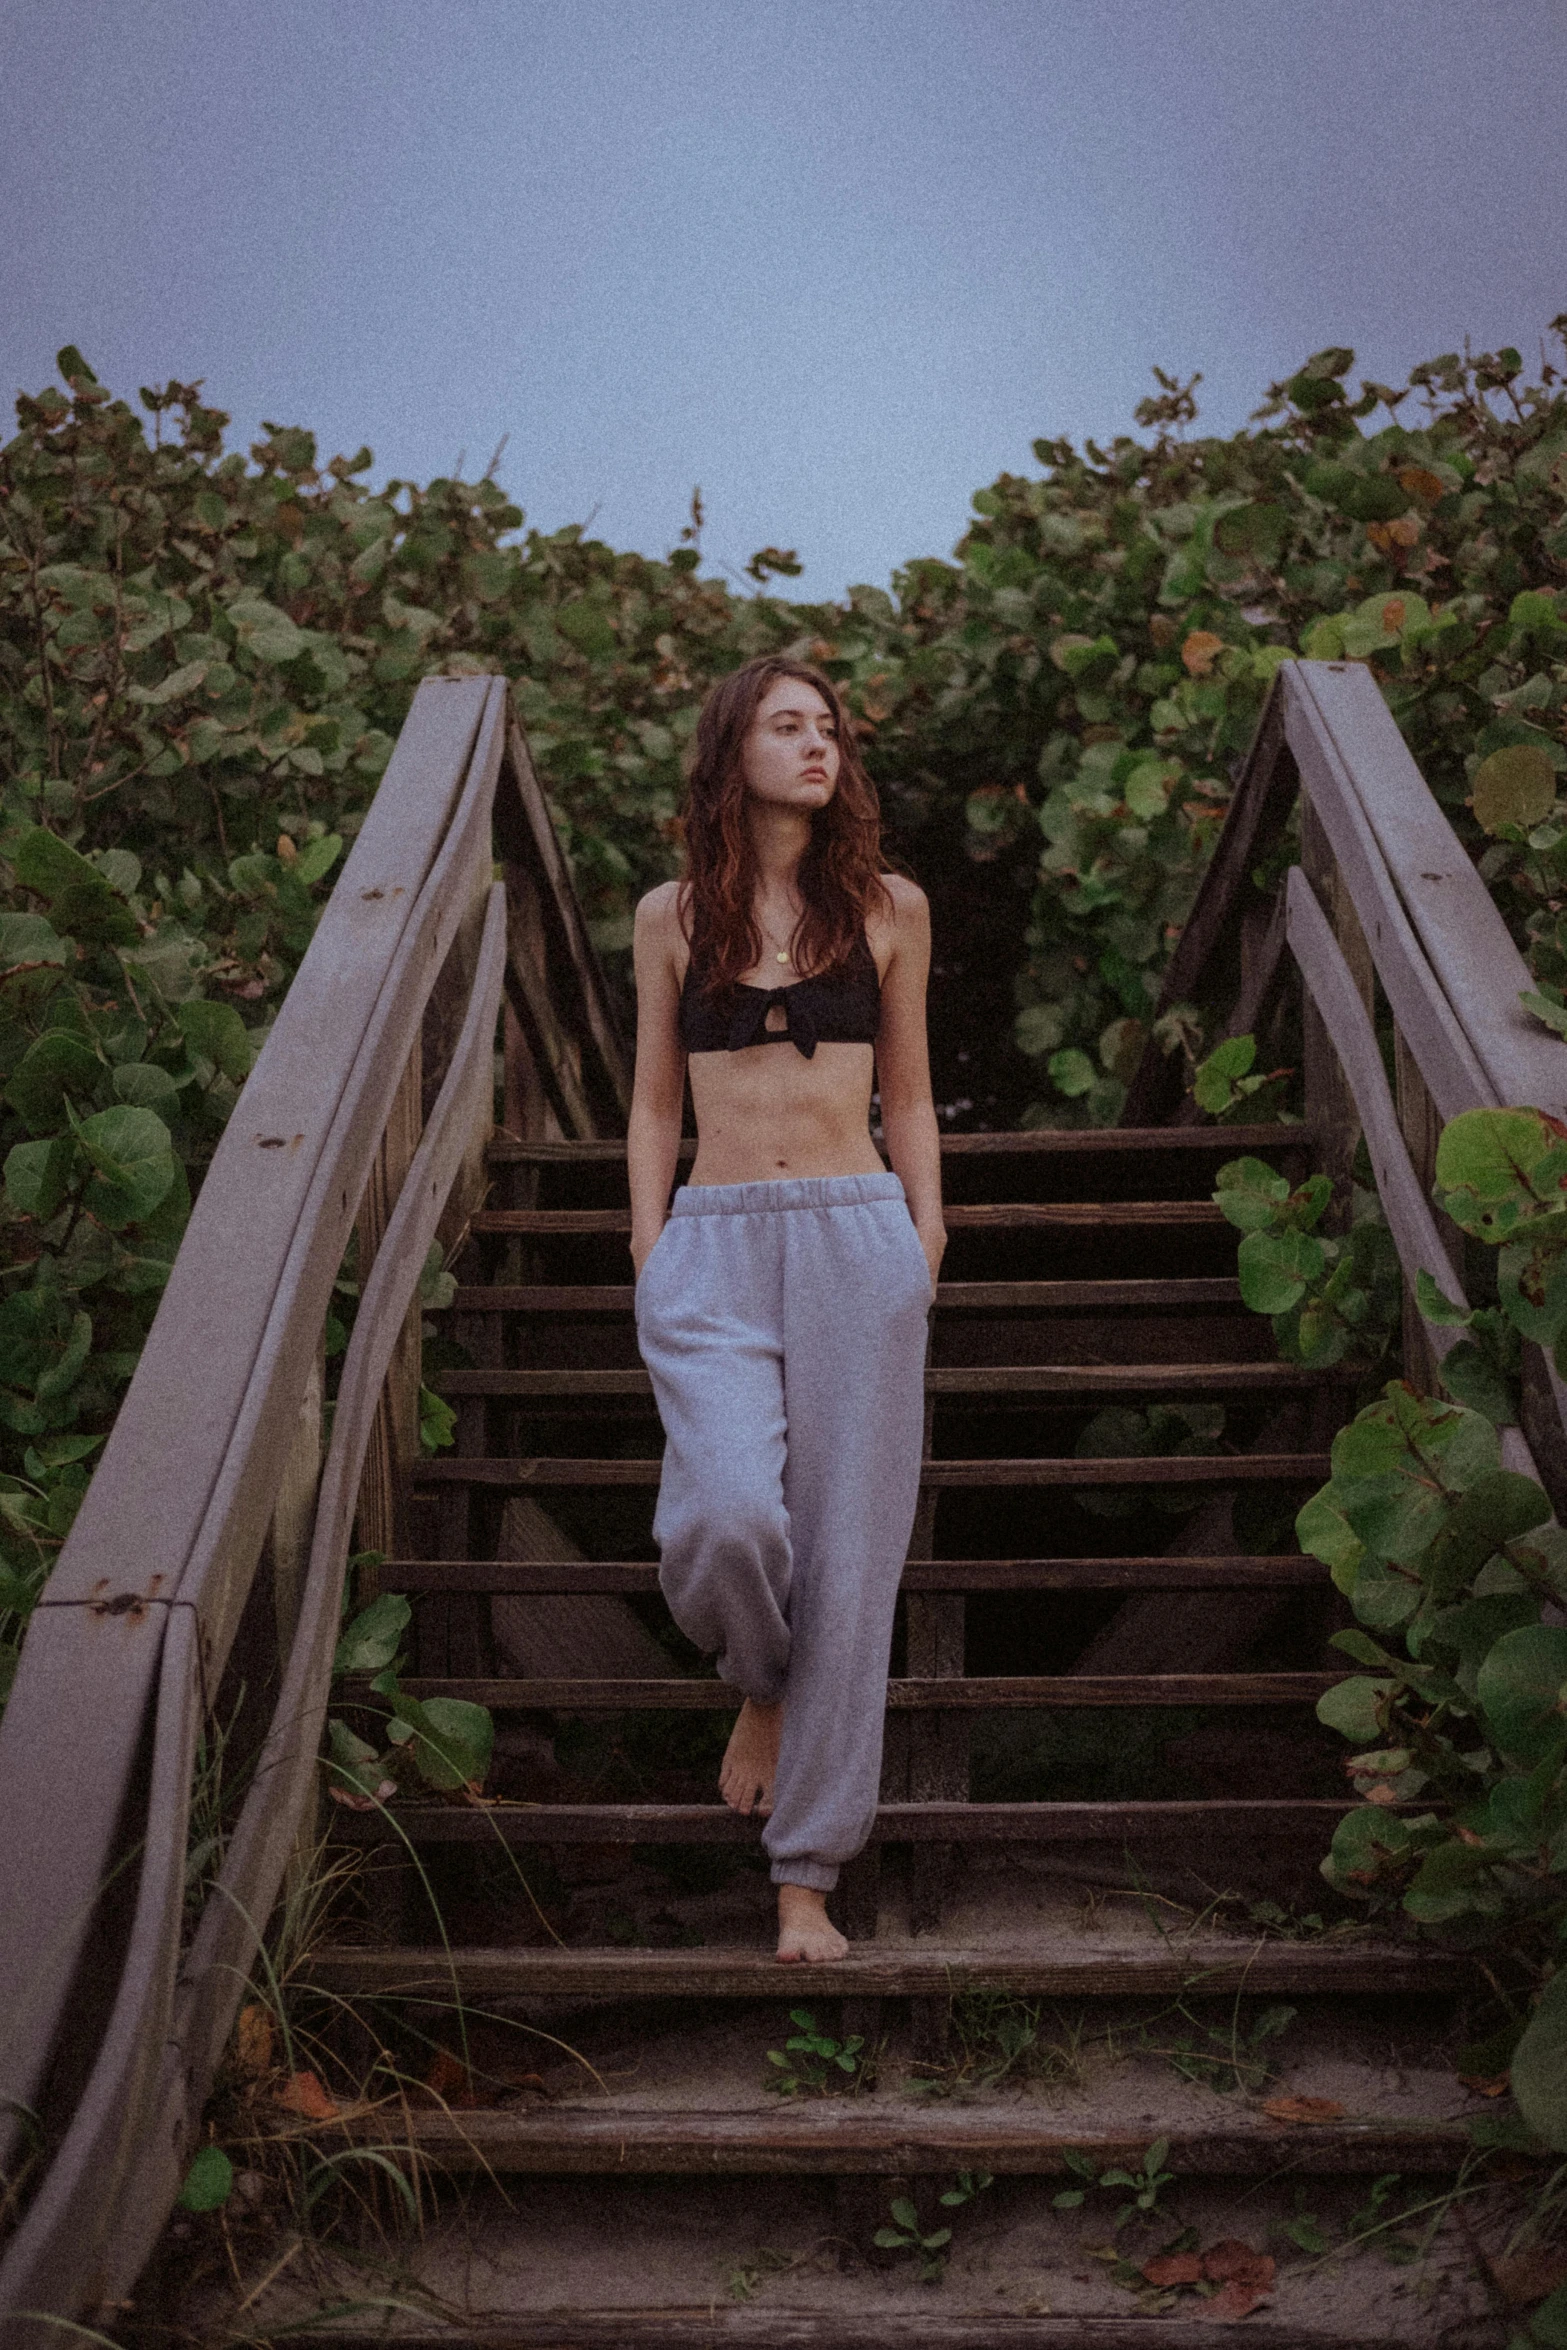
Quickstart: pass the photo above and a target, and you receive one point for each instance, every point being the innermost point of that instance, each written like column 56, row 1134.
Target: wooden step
column 843, row 2136
column 1171, row 1215
column 1217, row 1469
column 1074, row 1381
column 513, row 1694
column 968, row 1297
column 885, row 1970
column 583, row 1576
column 1033, row 1142
column 710, row 2325
column 1302, row 1819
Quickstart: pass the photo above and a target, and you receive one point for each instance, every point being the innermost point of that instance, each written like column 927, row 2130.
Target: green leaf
column 133, row 1162
column 1250, row 1194
column 1213, row 1085
column 373, row 1637
column 64, row 1372
column 1539, row 2076
column 209, row 2182
column 1547, row 2325
column 1522, row 1690
column 1367, row 1845
column 1548, row 1005
column 1351, row 1708
column 353, row 1768
column 1472, row 1377
column 1071, row 1072
column 218, row 1034
column 453, row 1740
column 1495, row 1510
column 317, row 858
column 1275, row 1268
column 79, row 896
column 56, row 1066
column 1323, row 1532
column 267, row 634
column 1489, row 1165
column 1449, row 1884
column 38, row 1175
column 146, row 1087
column 437, row 1421
column 30, row 938
column 1438, row 1308
column 1515, row 785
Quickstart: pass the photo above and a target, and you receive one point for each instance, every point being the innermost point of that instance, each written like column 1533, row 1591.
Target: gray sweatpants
column 784, row 1327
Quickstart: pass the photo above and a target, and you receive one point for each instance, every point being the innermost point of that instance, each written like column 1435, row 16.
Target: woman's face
column 791, row 748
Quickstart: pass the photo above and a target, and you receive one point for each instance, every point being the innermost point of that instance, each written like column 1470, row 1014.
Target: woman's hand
column 933, row 1240
column 642, row 1245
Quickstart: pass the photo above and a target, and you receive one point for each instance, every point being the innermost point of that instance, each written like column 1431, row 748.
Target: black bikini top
column 835, row 1007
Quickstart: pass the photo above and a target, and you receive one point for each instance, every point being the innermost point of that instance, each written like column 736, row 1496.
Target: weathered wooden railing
column 201, row 1584
column 1390, row 927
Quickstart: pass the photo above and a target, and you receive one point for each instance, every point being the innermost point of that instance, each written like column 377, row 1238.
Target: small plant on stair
column 906, row 2234
column 1222, row 2058
column 1146, row 2185
column 812, row 2063
column 443, row 1742
column 1329, row 1299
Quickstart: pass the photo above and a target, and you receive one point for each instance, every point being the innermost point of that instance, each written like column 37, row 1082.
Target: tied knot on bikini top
column 842, row 1006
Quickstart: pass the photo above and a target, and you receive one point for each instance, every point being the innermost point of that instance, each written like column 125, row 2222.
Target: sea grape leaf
column 1350, row 1707
column 38, row 1175
column 1275, row 1268
column 217, row 1032
column 1522, row 1690
column 1250, row 1194
column 1515, row 785
column 133, row 1164
column 1539, row 2077
column 209, row 2182
column 372, row 1639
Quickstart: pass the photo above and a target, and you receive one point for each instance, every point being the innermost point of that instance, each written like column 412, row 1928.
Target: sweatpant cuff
column 819, row 1875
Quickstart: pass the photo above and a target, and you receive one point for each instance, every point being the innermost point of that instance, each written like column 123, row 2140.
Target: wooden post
column 394, row 1439
column 937, row 1742
column 1422, row 1131
column 1330, row 1105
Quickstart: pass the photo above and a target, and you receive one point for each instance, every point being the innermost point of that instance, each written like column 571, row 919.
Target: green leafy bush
column 1329, row 1298
column 1457, row 1573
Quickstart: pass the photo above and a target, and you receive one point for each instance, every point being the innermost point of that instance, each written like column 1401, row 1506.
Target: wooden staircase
column 1084, row 1269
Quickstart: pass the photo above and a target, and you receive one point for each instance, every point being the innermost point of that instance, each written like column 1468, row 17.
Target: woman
column 782, row 1302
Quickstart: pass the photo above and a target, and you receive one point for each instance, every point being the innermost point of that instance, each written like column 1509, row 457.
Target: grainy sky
column 838, row 261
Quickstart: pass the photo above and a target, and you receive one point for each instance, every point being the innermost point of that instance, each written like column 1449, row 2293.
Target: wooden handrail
column 1384, row 896
column 112, row 2031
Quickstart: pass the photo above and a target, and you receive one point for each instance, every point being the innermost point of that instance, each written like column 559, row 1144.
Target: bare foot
column 750, row 1764
column 806, row 1936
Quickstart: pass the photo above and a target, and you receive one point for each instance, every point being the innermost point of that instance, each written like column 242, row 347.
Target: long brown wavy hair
column 840, row 872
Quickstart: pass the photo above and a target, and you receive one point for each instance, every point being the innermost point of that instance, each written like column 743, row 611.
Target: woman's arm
column 908, row 1115
column 653, row 1134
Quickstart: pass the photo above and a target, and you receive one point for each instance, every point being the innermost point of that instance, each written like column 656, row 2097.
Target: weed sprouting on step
column 1223, row 2057
column 998, row 2036
column 1145, row 2185
column 748, row 2275
column 906, row 2235
column 812, row 2063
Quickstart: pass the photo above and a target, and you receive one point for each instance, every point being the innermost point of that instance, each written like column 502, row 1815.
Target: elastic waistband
column 796, row 1191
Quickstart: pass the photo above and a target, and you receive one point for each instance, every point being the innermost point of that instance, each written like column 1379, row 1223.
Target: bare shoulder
column 909, row 902
column 658, row 922
column 905, row 913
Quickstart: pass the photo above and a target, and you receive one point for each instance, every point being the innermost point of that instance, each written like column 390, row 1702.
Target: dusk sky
column 838, row 261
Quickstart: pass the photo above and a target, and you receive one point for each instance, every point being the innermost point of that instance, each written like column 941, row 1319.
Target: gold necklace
column 780, row 954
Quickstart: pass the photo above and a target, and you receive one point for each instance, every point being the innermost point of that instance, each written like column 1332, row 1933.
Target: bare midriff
column 768, row 1113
